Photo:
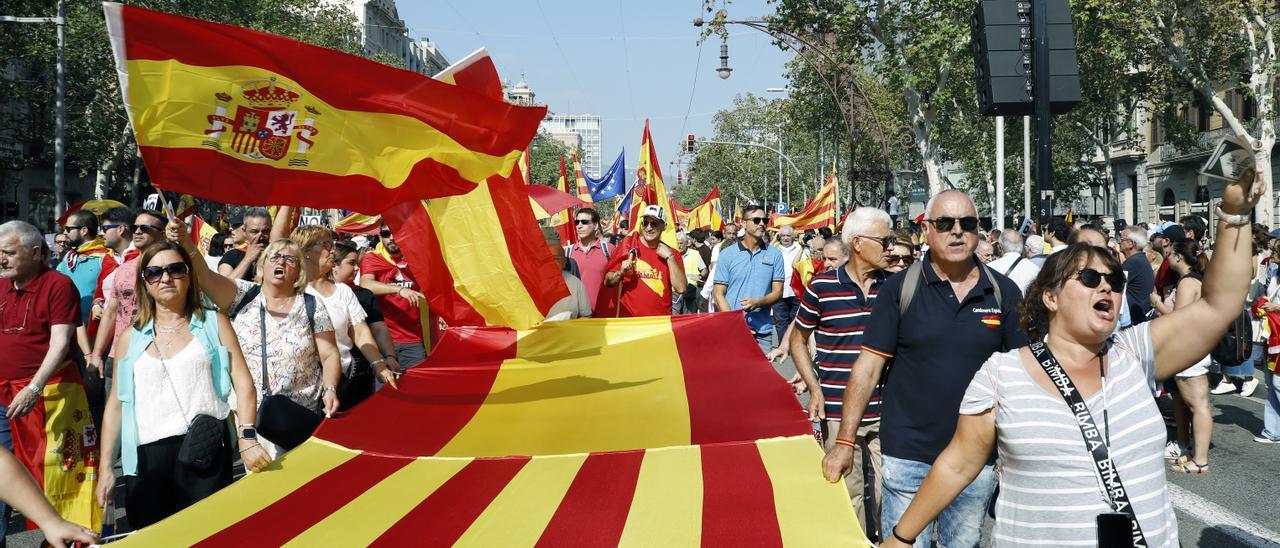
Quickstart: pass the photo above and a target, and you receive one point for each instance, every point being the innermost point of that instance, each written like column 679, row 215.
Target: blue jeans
column 959, row 525
column 1271, row 411
column 784, row 312
column 6, row 439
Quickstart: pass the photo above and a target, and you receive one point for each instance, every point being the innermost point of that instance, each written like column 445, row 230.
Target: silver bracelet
column 1230, row 219
column 37, row 390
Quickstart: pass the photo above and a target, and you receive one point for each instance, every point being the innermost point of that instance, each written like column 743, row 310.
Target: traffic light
column 1002, row 54
column 690, row 144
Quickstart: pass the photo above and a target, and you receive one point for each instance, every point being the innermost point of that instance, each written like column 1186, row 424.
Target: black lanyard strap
column 1093, row 439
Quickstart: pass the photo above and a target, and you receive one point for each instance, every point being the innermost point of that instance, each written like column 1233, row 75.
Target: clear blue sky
column 623, row 60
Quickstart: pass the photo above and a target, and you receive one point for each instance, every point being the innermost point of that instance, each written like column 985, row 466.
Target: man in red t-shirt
column 645, row 269
column 39, row 314
column 385, row 272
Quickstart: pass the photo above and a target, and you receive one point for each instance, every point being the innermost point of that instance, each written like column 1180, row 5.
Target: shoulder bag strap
column 995, row 287
column 1093, row 438
column 244, row 301
column 1013, row 266
column 910, row 282
column 262, row 322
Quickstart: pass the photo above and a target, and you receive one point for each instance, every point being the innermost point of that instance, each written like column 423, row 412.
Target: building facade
column 382, row 31
column 587, row 128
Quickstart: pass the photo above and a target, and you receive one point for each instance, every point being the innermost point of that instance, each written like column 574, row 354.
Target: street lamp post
column 59, row 120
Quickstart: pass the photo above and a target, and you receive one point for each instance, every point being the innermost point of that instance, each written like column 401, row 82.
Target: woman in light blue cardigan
column 180, row 363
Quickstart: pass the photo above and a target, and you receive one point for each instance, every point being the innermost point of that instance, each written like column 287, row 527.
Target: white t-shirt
column 789, row 255
column 893, row 205
column 345, row 311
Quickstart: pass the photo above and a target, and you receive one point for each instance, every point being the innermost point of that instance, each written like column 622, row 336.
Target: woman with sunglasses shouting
column 1072, row 416
column 287, row 338
column 168, row 413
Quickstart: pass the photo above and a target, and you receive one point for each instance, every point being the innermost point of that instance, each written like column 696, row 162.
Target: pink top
column 591, row 263
column 122, row 287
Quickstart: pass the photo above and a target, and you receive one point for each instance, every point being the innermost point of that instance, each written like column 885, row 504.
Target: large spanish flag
column 480, row 256
column 819, row 212
column 593, row 432
column 707, row 213
column 649, row 174
column 240, row 116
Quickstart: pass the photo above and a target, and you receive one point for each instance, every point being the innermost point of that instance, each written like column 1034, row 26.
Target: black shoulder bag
column 281, row 420
column 206, row 435
column 1120, row 527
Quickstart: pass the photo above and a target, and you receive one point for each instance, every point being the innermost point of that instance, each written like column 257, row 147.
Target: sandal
column 1185, row 468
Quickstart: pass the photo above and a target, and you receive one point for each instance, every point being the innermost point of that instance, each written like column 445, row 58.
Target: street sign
column 781, row 208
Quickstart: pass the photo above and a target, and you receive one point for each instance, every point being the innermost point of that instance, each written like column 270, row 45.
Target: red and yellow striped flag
column 649, row 174
column 359, row 223
column 819, row 212
column 707, row 213
column 584, row 191
column 480, row 257
column 547, row 201
column 563, row 220
column 492, row 447
column 240, row 116
column 98, row 207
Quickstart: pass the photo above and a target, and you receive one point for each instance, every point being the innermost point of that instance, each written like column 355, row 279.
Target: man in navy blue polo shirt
column 835, row 308
column 749, row 277
column 951, row 326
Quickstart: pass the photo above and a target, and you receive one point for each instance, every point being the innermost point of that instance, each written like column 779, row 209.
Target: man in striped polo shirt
column 834, row 308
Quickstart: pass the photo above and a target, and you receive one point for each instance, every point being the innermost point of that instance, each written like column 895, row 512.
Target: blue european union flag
column 613, row 182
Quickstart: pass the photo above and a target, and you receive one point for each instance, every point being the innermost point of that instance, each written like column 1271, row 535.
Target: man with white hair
column 784, row 311
column 1140, row 279
column 833, row 308
column 939, row 321
column 985, row 252
column 1035, row 249
column 1011, row 262
column 39, row 314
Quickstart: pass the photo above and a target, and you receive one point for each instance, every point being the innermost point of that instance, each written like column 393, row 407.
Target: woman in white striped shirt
column 1051, row 492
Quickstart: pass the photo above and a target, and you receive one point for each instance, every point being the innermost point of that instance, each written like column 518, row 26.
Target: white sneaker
column 1261, row 439
column 1248, row 387
column 1224, row 387
column 1172, row 451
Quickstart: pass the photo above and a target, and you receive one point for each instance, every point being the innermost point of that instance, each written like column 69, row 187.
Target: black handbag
column 281, row 420
column 206, row 435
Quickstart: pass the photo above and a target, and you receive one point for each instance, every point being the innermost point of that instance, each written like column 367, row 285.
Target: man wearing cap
column 1169, row 235
column 578, row 303
column 642, row 272
column 749, row 277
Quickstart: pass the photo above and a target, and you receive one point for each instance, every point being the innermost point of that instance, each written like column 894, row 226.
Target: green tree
column 545, row 153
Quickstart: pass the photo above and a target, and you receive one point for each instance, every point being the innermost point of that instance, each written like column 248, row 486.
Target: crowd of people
column 940, row 360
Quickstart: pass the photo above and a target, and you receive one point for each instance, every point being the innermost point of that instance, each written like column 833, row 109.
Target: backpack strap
column 909, row 284
column 309, row 301
column 249, row 295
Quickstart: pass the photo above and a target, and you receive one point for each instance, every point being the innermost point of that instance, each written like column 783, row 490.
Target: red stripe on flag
column 442, row 518
column 525, row 243
column 448, row 389
column 219, row 177
column 308, row 505
column 420, row 243
column 479, row 123
column 594, row 510
column 737, row 498
column 715, row 347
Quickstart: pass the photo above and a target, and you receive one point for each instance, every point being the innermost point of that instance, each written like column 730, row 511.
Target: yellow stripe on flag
column 808, row 506
column 245, row 498
column 666, row 509
column 482, row 258
column 519, row 514
column 581, row 405
column 364, row 519
column 170, row 98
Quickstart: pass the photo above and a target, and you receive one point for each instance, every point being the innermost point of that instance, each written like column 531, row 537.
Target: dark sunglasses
column 895, row 259
column 1092, row 278
column 652, row 222
column 144, row 228
column 887, row 242
column 385, row 233
column 584, row 222
column 110, row 226
column 176, row 271
column 70, row 228
column 759, row 220
column 944, row 224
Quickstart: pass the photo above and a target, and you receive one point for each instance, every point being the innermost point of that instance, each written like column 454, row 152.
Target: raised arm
column 1188, row 333
column 280, row 223
column 220, row 289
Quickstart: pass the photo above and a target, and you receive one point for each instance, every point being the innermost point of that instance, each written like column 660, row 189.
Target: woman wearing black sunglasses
column 1076, row 405
column 180, row 362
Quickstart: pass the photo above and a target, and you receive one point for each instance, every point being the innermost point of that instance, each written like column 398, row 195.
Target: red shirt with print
column 645, row 292
column 27, row 317
column 404, row 320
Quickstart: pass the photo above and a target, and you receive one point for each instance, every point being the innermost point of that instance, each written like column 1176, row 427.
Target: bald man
column 954, row 323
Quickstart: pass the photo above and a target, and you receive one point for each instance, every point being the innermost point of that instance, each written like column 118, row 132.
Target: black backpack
column 1237, row 344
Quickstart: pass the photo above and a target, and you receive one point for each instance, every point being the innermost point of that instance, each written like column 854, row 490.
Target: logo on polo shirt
column 986, row 310
column 992, row 321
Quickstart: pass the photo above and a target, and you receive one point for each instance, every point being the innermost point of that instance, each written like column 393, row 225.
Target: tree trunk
column 106, row 171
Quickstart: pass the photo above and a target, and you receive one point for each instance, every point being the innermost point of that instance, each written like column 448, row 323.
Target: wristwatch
column 248, row 432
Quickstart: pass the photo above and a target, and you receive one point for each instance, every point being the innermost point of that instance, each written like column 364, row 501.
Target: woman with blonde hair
column 168, row 412
column 287, row 338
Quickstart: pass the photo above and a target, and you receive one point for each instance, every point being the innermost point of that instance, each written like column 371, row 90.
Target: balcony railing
column 1203, row 145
